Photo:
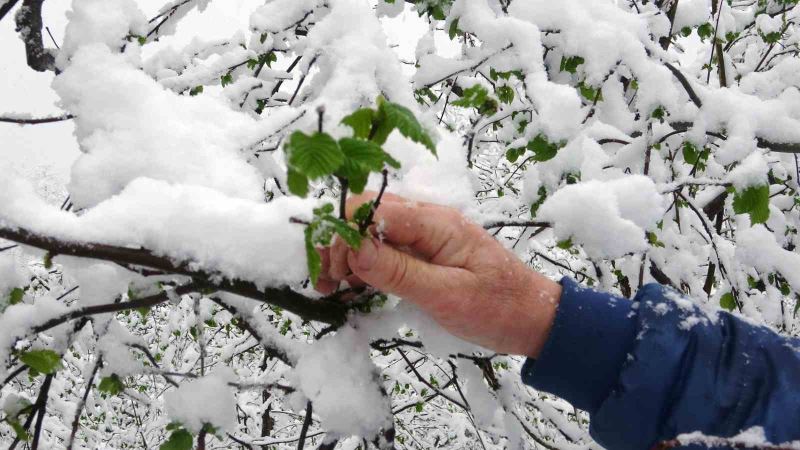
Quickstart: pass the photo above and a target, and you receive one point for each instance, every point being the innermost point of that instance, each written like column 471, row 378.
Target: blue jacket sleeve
column 650, row 369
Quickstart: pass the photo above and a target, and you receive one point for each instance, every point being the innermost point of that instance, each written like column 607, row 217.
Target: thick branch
column 323, row 310
column 29, row 26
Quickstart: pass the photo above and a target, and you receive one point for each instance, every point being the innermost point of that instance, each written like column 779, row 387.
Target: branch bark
column 323, row 310
column 29, row 26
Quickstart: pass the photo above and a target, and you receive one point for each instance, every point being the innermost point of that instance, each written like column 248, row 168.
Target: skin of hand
column 452, row 269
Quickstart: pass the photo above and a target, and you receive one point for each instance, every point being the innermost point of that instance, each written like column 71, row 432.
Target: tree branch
column 322, row 310
column 29, row 26
column 36, row 121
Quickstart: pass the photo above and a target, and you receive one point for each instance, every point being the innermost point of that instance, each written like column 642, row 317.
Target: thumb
column 393, row 271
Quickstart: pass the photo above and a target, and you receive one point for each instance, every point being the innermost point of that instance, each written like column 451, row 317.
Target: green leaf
column 690, row 153
column 590, row 93
column 314, row 261
column 453, row 31
column 361, row 122
column 570, row 64
column 727, row 301
column 42, row 361
column 314, row 156
column 356, row 175
column 658, row 113
column 226, row 79
column 180, row 439
column 400, row 117
column 653, row 240
column 565, row 244
column 418, row 407
column 505, row 94
column 298, row 183
column 111, row 385
column 365, row 154
column 142, row 40
column 362, row 213
column 473, row 97
column 753, row 201
column 349, row 234
column 19, row 430
column 543, row 149
column 705, row 31
column 513, row 154
column 196, row 90
column 48, row 260
column 16, row 296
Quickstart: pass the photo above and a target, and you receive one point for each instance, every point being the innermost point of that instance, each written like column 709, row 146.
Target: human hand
column 452, row 269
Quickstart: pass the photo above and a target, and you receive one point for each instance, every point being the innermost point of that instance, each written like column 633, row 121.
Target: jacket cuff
column 591, row 336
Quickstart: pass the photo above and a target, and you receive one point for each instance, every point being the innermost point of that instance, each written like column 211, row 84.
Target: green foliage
column 693, row 156
column 16, row 295
column 111, row 385
column 314, row 156
column 565, row 244
column 659, row 113
column 543, row 149
column 453, row 30
column 705, row 31
column 505, row 94
column 652, row 238
column 196, row 90
column 320, row 232
column 590, row 93
column 298, row 183
column 727, row 301
column 538, row 203
column 179, row 439
column 361, row 122
column 753, row 201
column 392, row 116
column 513, row 154
column 478, row 97
column 350, row 160
column 48, row 261
column 570, row 64
column 41, row 361
column 226, row 79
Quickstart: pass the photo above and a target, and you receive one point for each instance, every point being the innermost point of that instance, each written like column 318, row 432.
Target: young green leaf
column 314, row 156
column 16, row 296
column 314, row 261
column 542, row 148
column 361, row 122
column 298, row 183
column 727, row 301
column 366, row 154
column 180, row 439
column 570, row 64
column 453, row 30
column 392, row 115
column 473, row 97
column 753, row 201
column 42, row 361
column 505, row 94
column 111, row 385
column 362, row 213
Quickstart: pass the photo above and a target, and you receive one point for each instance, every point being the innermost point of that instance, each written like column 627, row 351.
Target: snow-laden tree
column 169, row 302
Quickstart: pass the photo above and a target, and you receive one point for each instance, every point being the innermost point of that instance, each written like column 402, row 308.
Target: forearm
column 656, row 367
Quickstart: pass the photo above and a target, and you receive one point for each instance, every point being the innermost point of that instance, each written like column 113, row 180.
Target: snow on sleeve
column 338, row 376
column 608, row 219
column 206, row 400
column 129, row 126
column 230, row 236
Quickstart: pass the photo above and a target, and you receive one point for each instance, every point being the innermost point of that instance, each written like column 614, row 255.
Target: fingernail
column 367, row 255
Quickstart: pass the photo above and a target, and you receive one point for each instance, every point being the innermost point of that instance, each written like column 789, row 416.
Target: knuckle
column 399, row 274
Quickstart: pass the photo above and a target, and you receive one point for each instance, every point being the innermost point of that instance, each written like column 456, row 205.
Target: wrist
column 541, row 301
